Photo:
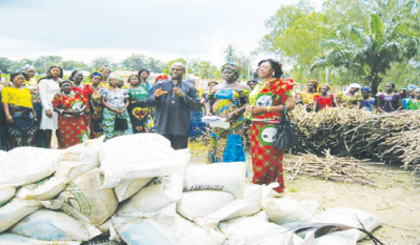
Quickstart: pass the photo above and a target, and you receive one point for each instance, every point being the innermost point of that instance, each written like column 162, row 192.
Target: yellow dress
column 308, row 98
column 348, row 100
column 17, row 96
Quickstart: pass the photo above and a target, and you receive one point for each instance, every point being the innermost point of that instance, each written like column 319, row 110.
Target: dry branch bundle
column 343, row 169
column 390, row 137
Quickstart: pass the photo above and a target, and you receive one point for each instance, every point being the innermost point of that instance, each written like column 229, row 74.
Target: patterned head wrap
column 63, row 82
column 95, row 74
column 27, row 67
column 112, row 77
column 353, row 85
column 235, row 67
column 365, row 88
column 412, row 87
column 161, row 77
column 322, row 85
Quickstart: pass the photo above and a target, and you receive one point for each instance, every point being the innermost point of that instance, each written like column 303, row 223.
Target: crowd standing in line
column 77, row 111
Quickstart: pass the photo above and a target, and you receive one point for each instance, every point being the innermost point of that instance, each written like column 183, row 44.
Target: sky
column 83, row 30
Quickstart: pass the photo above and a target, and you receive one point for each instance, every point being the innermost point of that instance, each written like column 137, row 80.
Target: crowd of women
column 77, row 111
column 32, row 110
column 317, row 97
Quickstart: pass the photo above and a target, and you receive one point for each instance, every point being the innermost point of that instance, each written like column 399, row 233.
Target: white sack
column 79, row 159
column 253, row 195
column 14, row 239
column 127, row 188
column 170, row 232
column 26, row 165
column 158, row 194
column 286, row 210
column 6, row 194
column 254, row 230
column 45, row 189
column 228, row 177
column 350, row 217
column 139, row 156
column 85, row 199
column 3, row 155
column 16, row 210
column 333, row 239
column 54, row 226
column 198, row 204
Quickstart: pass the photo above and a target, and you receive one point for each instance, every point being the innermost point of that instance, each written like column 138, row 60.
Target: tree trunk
column 376, row 80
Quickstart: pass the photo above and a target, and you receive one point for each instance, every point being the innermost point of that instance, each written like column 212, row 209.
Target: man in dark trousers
column 174, row 100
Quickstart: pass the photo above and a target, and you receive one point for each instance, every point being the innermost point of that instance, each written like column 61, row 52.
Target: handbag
column 120, row 124
column 285, row 136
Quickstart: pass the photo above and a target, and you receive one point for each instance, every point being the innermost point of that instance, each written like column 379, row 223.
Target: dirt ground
column 395, row 198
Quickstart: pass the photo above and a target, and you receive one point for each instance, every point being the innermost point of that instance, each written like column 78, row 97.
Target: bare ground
column 395, row 198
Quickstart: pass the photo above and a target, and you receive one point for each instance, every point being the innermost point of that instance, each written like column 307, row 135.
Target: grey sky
column 164, row 29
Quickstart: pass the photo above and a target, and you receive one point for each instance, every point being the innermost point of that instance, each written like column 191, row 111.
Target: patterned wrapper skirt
column 96, row 123
column 23, row 130
column 140, row 117
column 266, row 159
column 109, row 124
column 72, row 130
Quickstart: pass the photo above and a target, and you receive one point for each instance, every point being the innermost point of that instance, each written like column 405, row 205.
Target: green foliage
column 70, row 65
column 103, row 62
column 359, row 40
column 134, row 63
column 297, row 31
column 233, row 55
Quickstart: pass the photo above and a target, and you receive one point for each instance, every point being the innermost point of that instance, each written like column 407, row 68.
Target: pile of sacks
column 137, row 190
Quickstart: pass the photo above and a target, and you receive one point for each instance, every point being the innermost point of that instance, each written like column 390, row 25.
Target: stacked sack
column 137, row 190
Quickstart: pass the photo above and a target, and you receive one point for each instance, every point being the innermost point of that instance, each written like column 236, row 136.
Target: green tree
column 370, row 51
column 44, row 62
column 102, row 62
column 230, row 52
column 206, row 69
column 180, row 60
column 134, row 63
column 154, row 65
column 5, row 64
column 296, row 34
column 70, row 65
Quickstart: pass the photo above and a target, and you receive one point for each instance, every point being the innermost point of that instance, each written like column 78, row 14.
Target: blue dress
column 368, row 104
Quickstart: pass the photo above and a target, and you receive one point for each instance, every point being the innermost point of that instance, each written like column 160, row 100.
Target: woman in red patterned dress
column 71, row 107
column 266, row 103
